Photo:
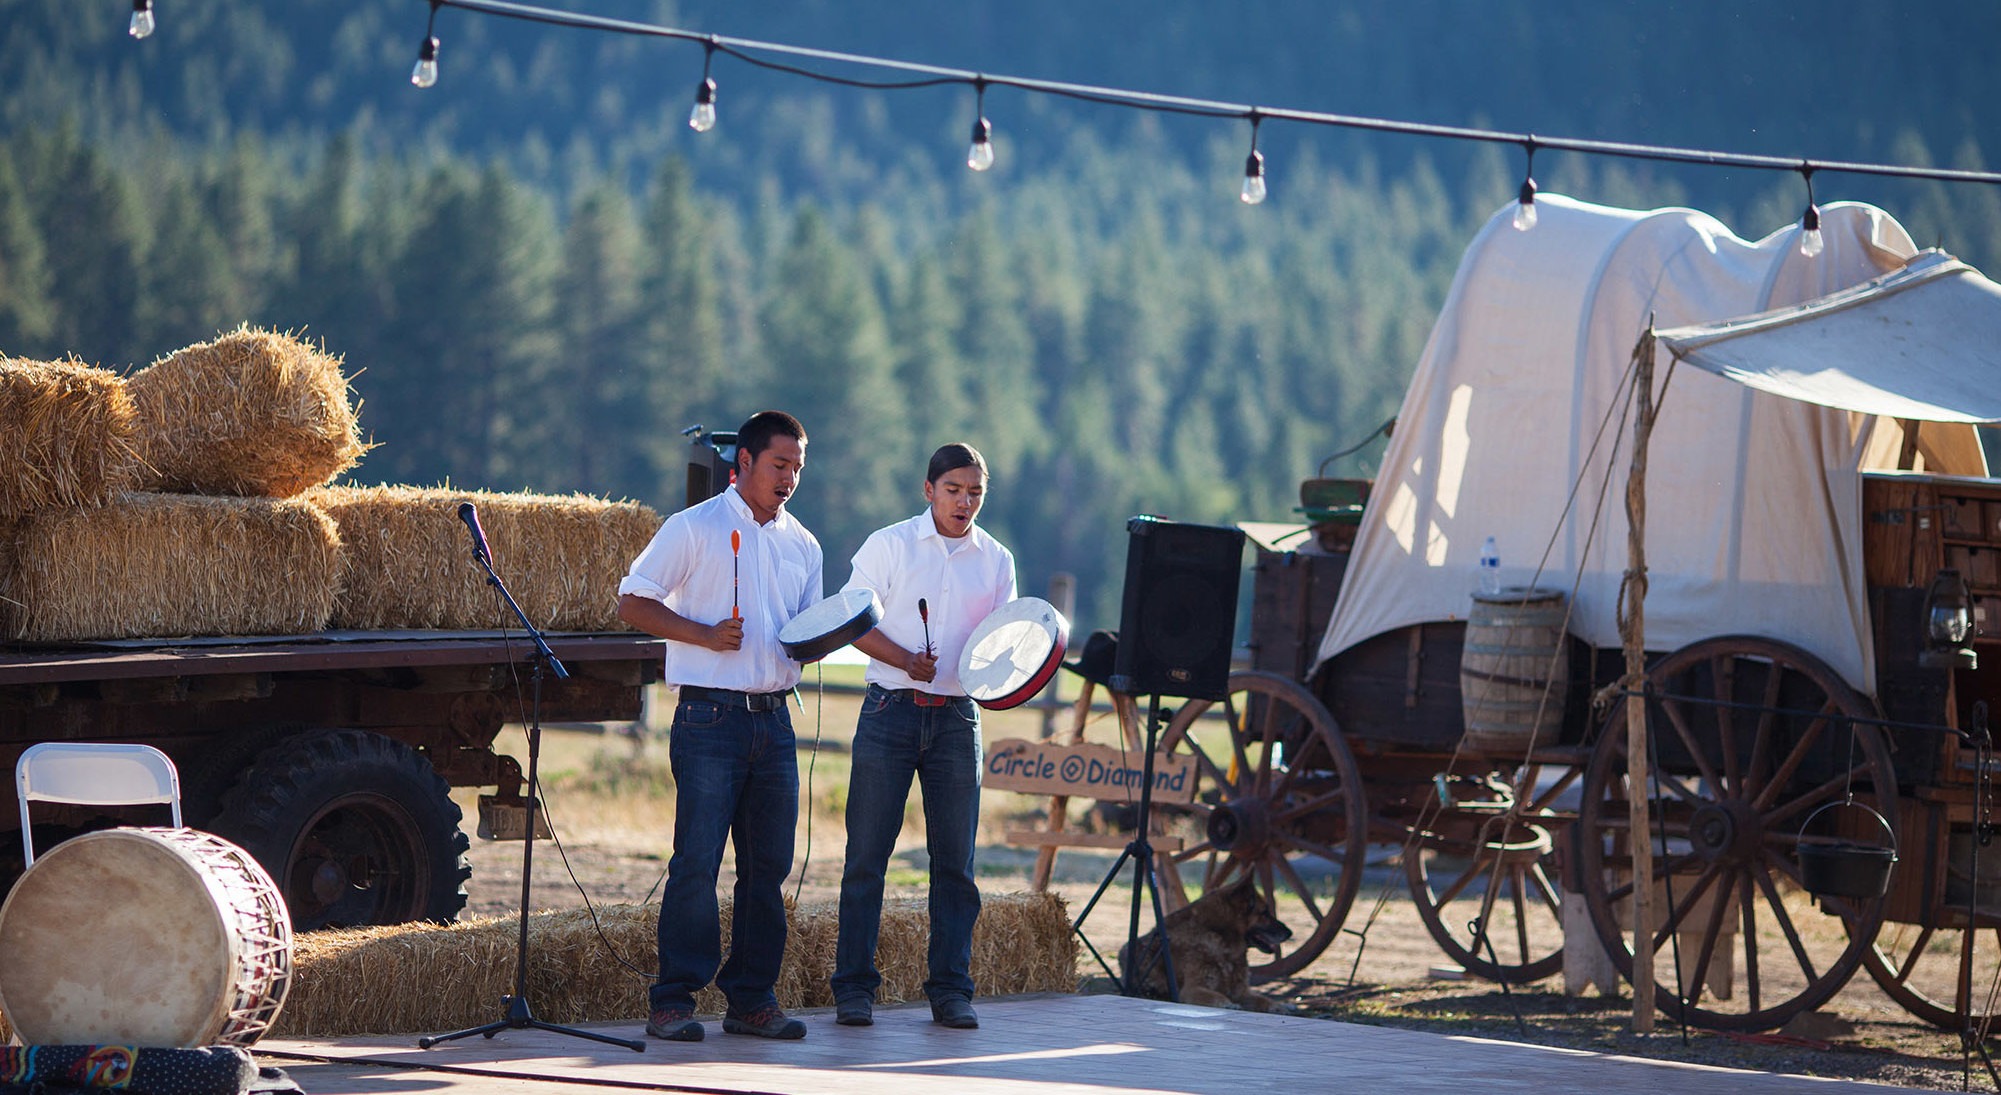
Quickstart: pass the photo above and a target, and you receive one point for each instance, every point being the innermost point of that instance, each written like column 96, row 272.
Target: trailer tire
column 357, row 829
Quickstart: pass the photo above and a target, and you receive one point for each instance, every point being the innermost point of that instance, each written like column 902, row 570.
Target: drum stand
column 1140, row 850
column 515, row 1009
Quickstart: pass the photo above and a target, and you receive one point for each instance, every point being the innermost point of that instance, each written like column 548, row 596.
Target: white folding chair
column 89, row 773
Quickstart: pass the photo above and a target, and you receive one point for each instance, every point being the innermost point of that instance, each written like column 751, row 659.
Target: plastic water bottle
column 1490, row 567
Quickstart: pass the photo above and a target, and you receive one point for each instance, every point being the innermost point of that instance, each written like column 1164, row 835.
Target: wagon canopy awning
column 1921, row 342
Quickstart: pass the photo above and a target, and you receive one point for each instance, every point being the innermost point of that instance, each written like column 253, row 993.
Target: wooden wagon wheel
column 1477, row 859
column 1279, row 800
column 1751, row 736
column 1944, row 973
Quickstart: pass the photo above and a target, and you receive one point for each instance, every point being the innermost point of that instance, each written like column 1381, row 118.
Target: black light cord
column 935, row 75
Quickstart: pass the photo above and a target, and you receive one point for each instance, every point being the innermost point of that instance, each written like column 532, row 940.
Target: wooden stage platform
column 1031, row 1045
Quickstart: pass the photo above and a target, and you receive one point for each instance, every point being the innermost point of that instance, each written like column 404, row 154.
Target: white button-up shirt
column 909, row 560
column 688, row 568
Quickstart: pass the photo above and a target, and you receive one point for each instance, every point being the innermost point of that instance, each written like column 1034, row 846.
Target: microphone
column 471, row 517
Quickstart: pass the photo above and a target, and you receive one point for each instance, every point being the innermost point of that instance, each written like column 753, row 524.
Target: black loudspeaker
column 1179, row 615
column 711, row 463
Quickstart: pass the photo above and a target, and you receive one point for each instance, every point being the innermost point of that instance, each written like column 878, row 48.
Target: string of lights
column 980, row 154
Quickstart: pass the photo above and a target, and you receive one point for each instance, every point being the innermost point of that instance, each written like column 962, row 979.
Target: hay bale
column 253, row 413
column 408, row 558
column 170, row 564
column 412, row 978
column 70, row 435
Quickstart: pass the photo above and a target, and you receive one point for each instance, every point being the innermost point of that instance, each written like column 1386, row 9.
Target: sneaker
column 766, row 1022
column 675, row 1025
column 855, row 1011
column 955, row 1012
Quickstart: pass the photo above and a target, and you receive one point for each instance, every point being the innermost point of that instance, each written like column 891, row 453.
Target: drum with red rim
column 830, row 625
column 146, row 937
column 1012, row 654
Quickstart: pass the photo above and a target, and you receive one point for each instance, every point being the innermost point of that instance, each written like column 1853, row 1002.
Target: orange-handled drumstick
column 924, row 613
column 736, row 546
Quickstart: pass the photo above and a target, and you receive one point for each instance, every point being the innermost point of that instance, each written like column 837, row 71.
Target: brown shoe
column 766, row 1022
column 675, row 1025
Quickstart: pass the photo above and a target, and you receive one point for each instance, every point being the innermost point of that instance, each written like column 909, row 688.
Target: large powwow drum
column 1514, row 672
column 146, row 937
column 1012, row 653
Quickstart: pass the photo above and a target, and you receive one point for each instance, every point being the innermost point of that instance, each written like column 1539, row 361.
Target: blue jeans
column 736, row 772
column 895, row 739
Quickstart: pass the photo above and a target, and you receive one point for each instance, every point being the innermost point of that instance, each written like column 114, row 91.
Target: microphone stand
column 1140, row 850
column 517, row 1014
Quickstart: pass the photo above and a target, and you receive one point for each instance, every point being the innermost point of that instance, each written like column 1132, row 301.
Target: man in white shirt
column 936, row 576
column 720, row 579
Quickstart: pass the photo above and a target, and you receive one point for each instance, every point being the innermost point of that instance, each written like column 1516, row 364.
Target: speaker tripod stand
column 1145, row 881
column 516, row 1014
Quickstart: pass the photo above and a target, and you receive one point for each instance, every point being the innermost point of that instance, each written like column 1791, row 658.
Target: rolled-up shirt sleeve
column 663, row 566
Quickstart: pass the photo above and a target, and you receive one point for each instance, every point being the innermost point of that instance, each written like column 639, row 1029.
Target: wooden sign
column 1087, row 771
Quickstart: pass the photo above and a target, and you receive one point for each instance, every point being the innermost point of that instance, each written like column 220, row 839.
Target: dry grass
column 408, row 558
column 170, row 564
column 254, row 413
column 69, row 430
column 425, row 977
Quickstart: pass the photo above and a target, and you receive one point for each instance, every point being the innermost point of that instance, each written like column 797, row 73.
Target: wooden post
column 1633, row 637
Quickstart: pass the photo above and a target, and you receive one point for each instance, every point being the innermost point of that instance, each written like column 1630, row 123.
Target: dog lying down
column 1209, row 939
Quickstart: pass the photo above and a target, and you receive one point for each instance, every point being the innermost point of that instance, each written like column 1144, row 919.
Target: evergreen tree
column 27, row 315
column 608, row 410
column 826, row 337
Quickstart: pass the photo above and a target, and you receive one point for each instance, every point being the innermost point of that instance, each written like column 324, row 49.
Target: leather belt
column 920, row 699
column 748, row 701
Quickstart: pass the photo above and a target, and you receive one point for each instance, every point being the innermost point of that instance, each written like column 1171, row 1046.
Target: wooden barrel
column 1514, row 671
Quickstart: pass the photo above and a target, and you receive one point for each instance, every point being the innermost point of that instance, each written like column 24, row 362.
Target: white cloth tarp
column 1511, row 429
column 1922, row 342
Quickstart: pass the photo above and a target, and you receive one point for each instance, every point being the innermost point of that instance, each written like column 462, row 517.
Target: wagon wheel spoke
column 1711, row 932
column 1545, row 889
column 1910, row 965
column 1816, row 795
column 1240, row 760
column 1662, row 868
column 1300, row 888
column 1785, row 923
column 1749, row 913
column 1679, row 721
column 1556, row 789
column 1723, row 675
column 1294, row 839
column 1267, row 718
column 1521, row 917
column 1459, row 884
column 1208, row 767
column 1685, row 902
column 1793, row 759
column 1312, row 805
column 1761, row 744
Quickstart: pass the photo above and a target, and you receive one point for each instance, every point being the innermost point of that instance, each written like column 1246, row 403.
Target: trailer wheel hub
column 1241, row 827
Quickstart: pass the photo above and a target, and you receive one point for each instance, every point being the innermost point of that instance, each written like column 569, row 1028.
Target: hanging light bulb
column 142, row 19
column 1525, row 213
column 702, row 117
column 1811, row 241
column 426, row 72
column 1254, row 179
column 980, row 154
column 1254, row 169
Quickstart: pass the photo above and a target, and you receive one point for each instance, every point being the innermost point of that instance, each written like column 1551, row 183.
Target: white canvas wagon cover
column 1511, row 426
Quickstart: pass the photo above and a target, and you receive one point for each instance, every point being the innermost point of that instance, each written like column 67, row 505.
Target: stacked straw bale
column 169, row 564
column 69, row 431
column 426, row 977
column 253, row 413
column 407, row 559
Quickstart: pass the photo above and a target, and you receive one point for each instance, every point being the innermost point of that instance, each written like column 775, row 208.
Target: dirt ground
column 1384, row 968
